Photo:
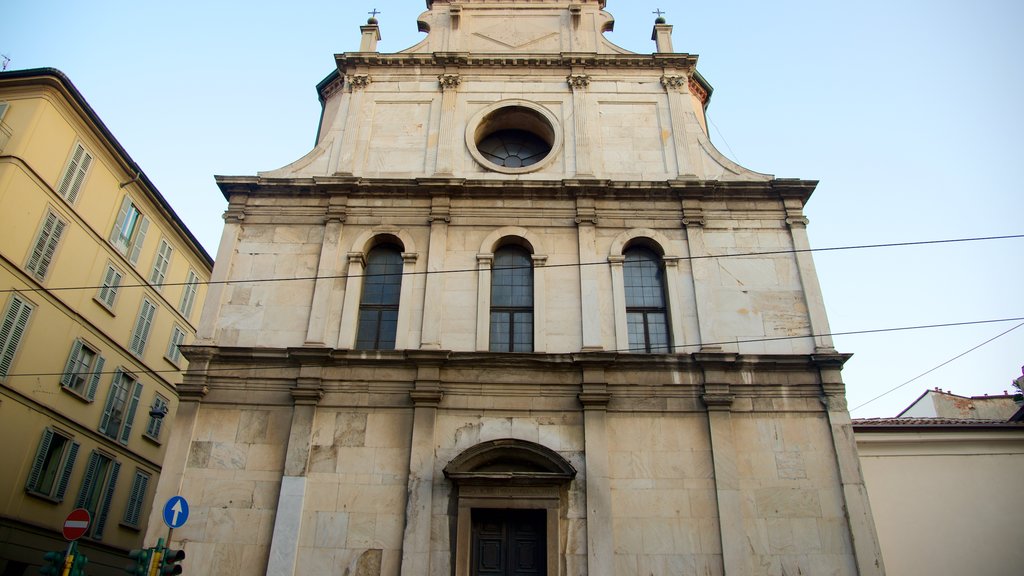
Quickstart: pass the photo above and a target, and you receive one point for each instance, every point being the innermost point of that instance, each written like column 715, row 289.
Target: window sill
column 152, row 440
column 41, row 496
column 102, row 304
column 127, row 526
column 78, row 395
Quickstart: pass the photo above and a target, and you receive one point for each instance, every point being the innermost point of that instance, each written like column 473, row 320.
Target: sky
column 908, row 113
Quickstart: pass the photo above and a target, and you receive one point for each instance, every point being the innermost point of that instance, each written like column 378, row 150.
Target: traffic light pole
column 69, row 558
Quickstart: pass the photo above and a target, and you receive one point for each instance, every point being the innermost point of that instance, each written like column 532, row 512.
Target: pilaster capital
column 427, row 398
column 835, row 402
column 449, row 81
column 485, row 259
column 578, row 81
column 539, row 259
column 307, row 393
column 358, row 81
column 356, row 258
column 677, row 83
column 693, row 221
column 718, row 401
column 616, row 259
column 439, row 218
column 797, row 222
column 409, row 257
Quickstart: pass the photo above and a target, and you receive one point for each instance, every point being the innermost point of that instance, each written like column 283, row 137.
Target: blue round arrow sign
column 176, row 512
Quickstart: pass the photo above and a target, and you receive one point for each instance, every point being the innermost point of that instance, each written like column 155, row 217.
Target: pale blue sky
column 908, row 112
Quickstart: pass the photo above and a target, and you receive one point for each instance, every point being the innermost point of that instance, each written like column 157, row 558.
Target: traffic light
column 53, row 564
column 169, row 563
column 78, row 562
column 140, row 562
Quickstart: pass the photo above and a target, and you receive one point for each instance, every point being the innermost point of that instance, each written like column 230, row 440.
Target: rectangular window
column 45, row 245
column 177, row 337
column 122, row 403
column 188, row 294
column 98, row 491
column 136, row 499
column 74, row 174
column 143, row 324
column 160, row 264
column 111, row 282
column 129, row 230
column 51, row 469
column 82, row 372
column 15, row 321
column 159, row 406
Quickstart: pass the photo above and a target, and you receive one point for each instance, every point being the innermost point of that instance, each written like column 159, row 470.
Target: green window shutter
column 140, row 236
column 65, row 476
column 37, row 464
column 136, row 498
column 51, row 249
column 115, row 384
column 101, row 517
column 88, row 480
column 160, row 264
column 115, row 234
column 129, row 418
column 11, row 331
column 69, row 368
column 94, row 381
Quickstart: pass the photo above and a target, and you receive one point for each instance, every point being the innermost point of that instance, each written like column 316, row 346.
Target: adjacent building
column 515, row 314
column 946, row 492
column 100, row 282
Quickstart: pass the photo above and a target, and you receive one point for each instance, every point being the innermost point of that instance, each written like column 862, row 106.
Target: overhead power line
column 567, row 265
column 926, row 372
column 627, row 350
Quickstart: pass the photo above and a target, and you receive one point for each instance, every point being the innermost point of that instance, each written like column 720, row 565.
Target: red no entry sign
column 76, row 524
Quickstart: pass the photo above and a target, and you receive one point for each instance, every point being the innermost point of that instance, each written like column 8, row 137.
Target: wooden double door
column 509, row 542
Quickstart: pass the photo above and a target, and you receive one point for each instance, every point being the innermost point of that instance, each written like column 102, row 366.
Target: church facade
column 515, row 314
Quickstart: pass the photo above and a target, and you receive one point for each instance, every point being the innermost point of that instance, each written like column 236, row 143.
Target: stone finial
column 662, row 35
column 371, row 33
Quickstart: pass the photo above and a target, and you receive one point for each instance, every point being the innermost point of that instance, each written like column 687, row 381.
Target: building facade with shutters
column 515, row 314
column 100, row 281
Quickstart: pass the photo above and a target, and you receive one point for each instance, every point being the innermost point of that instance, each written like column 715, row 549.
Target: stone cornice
column 797, row 190
column 352, row 60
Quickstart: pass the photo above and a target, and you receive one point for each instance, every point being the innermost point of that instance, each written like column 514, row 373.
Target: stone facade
column 516, row 127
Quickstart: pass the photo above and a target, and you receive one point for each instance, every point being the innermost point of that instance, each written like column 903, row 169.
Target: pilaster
column 425, row 396
column 327, row 273
column 284, row 544
column 215, row 293
column 433, row 295
column 718, row 398
column 594, row 397
column 350, row 309
column 449, row 83
column 357, row 84
column 484, row 262
column 693, row 222
column 676, row 89
column 578, row 83
column 586, row 221
column 816, row 315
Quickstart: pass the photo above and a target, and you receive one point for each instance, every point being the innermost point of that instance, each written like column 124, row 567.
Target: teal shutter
column 37, row 465
column 137, row 497
column 69, row 368
column 115, row 383
column 50, row 249
column 94, row 381
column 14, row 323
column 101, row 517
column 140, row 236
column 129, row 418
column 88, row 480
column 67, row 180
column 45, row 245
column 65, row 476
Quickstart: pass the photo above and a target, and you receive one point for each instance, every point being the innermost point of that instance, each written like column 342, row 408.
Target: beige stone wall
column 946, row 501
column 232, row 479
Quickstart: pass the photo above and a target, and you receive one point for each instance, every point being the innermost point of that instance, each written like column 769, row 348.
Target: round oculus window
column 513, row 137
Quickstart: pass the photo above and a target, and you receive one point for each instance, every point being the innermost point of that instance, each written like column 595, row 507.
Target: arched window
column 378, row 305
column 512, row 300
column 646, row 313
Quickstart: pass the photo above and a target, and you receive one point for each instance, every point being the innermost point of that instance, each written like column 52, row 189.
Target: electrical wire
column 926, row 372
column 567, row 265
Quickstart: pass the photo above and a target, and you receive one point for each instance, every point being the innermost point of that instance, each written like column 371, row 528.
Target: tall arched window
column 512, row 300
column 646, row 313
column 378, row 305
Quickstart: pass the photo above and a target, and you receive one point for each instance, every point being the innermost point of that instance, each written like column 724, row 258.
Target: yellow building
column 99, row 283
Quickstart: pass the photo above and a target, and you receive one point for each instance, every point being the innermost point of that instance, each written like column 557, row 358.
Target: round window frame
column 543, row 114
